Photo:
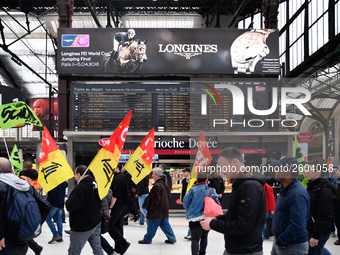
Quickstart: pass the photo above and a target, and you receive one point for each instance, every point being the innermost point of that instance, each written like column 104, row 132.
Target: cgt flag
column 16, row 160
column 17, row 114
column 139, row 164
column 297, row 152
column 53, row 167
column 105, row 162
column 203, row 158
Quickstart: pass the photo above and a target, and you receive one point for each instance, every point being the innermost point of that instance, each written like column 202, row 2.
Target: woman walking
column 194, row 205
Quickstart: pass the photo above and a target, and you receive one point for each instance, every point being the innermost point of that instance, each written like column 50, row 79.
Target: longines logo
column 188, row 50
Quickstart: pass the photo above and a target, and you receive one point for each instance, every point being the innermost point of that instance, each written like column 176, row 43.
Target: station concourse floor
column 133, row 233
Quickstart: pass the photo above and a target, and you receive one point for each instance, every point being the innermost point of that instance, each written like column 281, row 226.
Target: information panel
column 167, row 107
column 169, row 51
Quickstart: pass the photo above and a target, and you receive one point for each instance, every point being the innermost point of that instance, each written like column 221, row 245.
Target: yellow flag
column 105, row 162
column 53, row 167
column 140, row 163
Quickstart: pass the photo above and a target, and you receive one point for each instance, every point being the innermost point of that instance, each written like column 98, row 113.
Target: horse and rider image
column 128, row 53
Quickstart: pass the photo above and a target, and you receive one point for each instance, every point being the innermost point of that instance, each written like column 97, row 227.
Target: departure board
column 166, row 107
column 98, row 107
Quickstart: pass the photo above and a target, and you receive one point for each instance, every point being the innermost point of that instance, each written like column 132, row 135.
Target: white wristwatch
column 248, row 49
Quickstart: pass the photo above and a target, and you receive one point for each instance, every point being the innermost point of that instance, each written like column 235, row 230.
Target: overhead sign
column 175, row 51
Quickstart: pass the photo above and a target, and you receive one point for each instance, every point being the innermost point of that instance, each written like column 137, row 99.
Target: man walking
column 243, row 223
column 158, row 210
column 9, row 236
column 56, row 198
column 84, row 206
column 118, row 208
column 291, row 212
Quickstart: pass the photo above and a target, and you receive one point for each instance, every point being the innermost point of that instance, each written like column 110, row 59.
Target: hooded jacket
column 83, row 205
column 9, row 179
column 15, row 182
column 242, row 225
column 321, row 192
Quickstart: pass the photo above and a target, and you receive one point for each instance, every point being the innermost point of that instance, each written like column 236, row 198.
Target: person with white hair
column 157, row 205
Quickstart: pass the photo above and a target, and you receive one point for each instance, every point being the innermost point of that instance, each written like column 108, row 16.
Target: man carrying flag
column 203, row 159
column 106, row 160
column 53, row 167
column 16, row 160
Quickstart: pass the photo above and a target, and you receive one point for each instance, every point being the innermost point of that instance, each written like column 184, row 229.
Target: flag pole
column 9, row 157
column 83, row 175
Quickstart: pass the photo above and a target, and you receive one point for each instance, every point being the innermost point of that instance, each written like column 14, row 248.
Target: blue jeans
column 55, row 212
column 143, row 211
column 78, row 240
column 316, row 250
column 106, row 246
column 265, row 230
column 165, row 227
column 296, row 249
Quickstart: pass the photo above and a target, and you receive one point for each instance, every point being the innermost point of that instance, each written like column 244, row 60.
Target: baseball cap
column 186, row 169
column 286, row 161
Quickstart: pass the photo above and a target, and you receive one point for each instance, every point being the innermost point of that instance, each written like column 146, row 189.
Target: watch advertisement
column 104, row 51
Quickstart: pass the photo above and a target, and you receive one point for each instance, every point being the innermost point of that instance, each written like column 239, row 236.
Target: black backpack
column 23, row 219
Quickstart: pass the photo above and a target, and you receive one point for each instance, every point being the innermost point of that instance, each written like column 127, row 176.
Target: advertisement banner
column 170, row 51
column 41, row 108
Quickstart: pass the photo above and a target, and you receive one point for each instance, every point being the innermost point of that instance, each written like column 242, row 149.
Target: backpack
column 23, row 219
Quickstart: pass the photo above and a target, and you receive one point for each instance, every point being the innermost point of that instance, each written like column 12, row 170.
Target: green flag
column 297, row 152
column 17, row 114
column 16, row 160
column 299, row 156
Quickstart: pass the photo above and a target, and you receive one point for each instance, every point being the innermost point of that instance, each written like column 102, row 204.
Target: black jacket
column 217, row 183
column 120, row 189
column 56, row 196
column 242, row 225
column 143, row 186
column 321, row 192
column 185, row 183
column 83, row 205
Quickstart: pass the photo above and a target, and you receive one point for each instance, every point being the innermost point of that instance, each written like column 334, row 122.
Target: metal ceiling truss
column 15, row 57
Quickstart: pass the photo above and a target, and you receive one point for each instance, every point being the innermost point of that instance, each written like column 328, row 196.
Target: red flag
column 203, row 159
column 329, row 162
column 53, row 167
column 140, row 163
column 106, row 160
column 47, row 146
column 148, row 147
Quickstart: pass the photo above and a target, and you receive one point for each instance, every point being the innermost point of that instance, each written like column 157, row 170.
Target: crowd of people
column 300, row 219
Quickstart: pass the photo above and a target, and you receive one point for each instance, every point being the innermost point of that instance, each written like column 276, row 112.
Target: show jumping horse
column 130, row 59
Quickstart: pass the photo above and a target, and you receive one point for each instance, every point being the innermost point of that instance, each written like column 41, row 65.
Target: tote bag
column 211, row 207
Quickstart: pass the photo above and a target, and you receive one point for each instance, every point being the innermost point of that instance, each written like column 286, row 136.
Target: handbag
column 211, row 207
column 105, row 223
column 269, row 226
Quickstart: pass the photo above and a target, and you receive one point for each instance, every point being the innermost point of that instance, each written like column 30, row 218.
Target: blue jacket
column 193, row 201
column 291, row 215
